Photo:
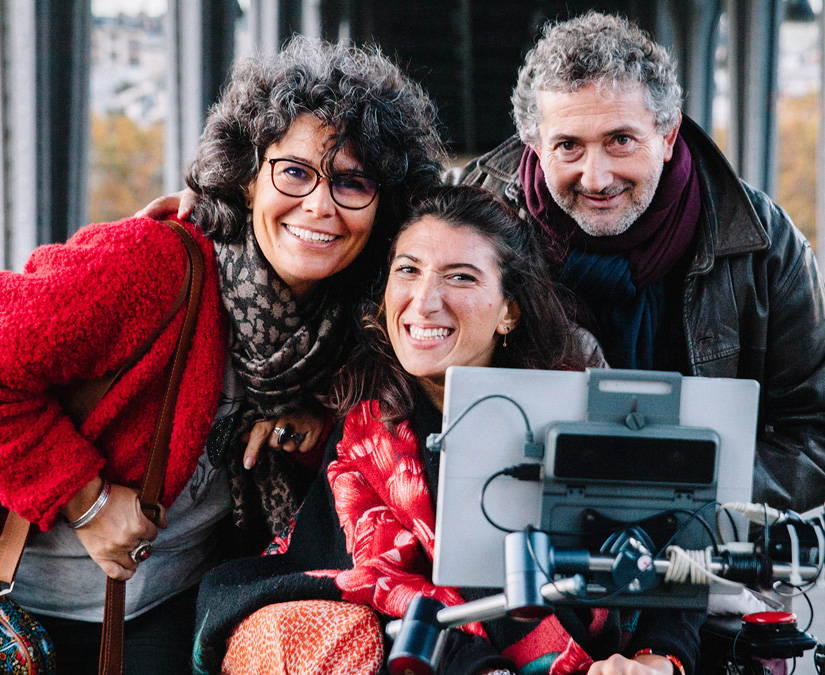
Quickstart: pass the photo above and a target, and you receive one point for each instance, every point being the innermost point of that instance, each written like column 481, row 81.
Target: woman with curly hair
column 305, row 167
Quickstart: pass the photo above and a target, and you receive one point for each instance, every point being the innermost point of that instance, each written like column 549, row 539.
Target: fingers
column 306, row 428
column 161, row 206
column 187, row 202
column 619, row 665
column 117, row 571
column 298, row 431
column 260, row 433
column 313, row 433
column 292, row 440
column 285, row 436
column 115, row 531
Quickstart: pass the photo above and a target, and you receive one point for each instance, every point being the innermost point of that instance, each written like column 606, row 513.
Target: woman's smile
column 310, row 236
column 426, row 334
column 444, row 302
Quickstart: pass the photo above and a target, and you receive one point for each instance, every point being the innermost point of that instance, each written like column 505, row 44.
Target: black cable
column 733, row 525
column 524, row 471
column 733, row 652
column 731, row 521
column 533, row 555
column 694, row 515
column 545, row 572
column 486, row 515
column 528, row 433
column 811, row 610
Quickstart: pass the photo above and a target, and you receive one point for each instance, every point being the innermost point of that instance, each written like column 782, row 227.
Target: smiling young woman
column 444, row 303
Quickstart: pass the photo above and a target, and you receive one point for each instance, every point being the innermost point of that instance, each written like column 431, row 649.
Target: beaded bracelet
column 94, row 509
column 678, row 668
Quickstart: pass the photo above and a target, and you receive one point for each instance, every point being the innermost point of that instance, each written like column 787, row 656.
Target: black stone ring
column 141, row 552
column 287, row 433
column 283, row 434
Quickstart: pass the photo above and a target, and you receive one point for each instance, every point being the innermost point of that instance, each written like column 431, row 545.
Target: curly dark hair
column 544, row 337
column 595, row 48
column 383, row 117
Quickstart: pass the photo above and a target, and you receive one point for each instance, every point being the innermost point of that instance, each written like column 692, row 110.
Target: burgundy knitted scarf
column 653, row 244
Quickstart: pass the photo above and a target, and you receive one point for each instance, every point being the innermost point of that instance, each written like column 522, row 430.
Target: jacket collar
column 729, row 224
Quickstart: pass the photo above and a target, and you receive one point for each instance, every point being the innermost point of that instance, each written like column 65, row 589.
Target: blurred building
column 128, row 67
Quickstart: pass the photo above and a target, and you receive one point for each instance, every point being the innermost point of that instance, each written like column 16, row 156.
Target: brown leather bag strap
column 80, row 398
column 110, row 658
column 111, row 640
column 152, row 487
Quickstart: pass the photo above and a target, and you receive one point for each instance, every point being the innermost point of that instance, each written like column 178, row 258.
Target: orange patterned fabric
column 308, row 636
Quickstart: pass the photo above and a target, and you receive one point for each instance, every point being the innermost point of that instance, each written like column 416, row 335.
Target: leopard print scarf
column 283, row 353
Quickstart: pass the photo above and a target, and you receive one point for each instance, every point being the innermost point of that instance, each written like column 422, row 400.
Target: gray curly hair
column 383, row 117
column 609, row 51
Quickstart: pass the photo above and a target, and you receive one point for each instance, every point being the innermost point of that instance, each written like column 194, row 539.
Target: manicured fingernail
column 247, row 463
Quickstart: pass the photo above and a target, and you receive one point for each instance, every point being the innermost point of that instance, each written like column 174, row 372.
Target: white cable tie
column 795, row 577
column 693, row 566
column 756, row 513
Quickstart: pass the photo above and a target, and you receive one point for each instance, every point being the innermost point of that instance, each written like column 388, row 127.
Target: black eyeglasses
column 296, row 179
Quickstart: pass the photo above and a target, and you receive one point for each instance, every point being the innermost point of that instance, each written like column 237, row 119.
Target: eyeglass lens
column 295, row 179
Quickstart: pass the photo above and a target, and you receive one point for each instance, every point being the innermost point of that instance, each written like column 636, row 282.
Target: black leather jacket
column 753, row 306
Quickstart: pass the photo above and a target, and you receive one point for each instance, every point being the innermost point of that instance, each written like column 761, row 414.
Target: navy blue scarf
column 628, row 316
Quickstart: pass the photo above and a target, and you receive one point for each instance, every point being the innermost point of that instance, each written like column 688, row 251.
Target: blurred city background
column 103, row 100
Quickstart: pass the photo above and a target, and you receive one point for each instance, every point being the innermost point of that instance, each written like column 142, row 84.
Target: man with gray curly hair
column 680, row 265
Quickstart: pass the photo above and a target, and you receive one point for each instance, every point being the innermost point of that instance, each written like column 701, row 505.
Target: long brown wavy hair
column 544, row 338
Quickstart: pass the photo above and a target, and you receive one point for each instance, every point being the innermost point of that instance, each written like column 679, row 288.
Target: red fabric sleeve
column 384, row 508
column 77, row 311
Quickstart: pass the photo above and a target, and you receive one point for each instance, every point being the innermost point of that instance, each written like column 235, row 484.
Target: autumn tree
column 126, row 166
column 798, row 118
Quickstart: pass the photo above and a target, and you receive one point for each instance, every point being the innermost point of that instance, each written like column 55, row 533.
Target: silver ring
column 280, row 434
column 141, row 552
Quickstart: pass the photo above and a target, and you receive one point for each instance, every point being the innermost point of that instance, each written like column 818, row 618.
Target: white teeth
column 309, row 235
column 429, row 333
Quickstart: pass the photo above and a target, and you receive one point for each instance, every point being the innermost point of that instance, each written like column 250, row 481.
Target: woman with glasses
column 305, row 168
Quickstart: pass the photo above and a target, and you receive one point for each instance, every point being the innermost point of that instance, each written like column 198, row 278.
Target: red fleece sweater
column 80, row 310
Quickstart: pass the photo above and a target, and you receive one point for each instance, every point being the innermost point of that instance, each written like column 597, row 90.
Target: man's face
column 602, row 155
